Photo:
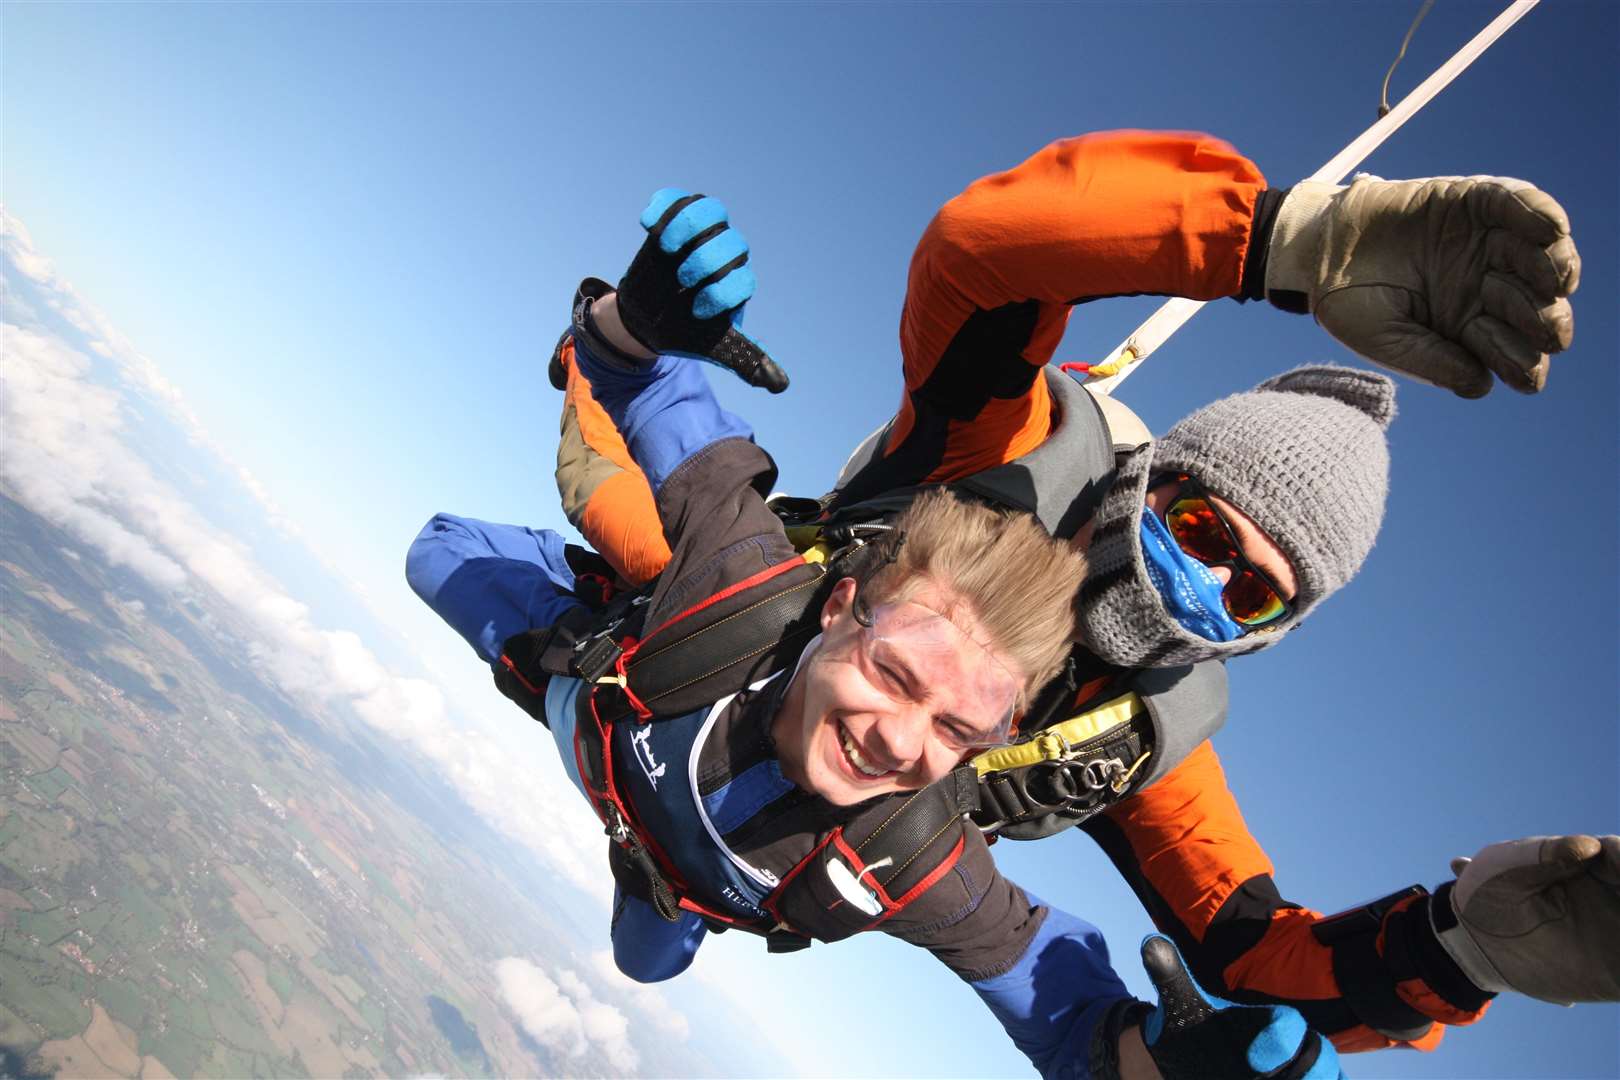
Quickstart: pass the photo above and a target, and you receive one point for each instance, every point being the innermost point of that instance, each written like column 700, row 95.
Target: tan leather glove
column 1446, row 279
column 1540, row 916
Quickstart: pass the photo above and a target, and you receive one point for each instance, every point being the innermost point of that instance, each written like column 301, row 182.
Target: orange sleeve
column 1183, row 845
column 603, row 492
column 996, row 272
column 1189, row 839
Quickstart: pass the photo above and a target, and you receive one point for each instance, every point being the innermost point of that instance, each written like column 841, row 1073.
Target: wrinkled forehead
column 952, row 664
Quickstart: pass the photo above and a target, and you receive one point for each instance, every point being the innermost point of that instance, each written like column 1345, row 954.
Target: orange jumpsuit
column 990, row 289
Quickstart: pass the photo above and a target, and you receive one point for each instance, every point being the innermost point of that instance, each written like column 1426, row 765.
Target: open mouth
column 856, row 760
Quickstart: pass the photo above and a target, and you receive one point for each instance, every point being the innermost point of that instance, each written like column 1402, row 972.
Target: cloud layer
column 563, row 1015
column 71, row 457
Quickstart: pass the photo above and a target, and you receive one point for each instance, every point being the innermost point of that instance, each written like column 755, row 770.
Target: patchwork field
column 191, row 880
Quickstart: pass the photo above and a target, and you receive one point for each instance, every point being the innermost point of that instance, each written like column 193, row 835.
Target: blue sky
column 348, row 235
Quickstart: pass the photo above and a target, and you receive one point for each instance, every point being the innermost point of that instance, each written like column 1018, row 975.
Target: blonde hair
column 1019, row 583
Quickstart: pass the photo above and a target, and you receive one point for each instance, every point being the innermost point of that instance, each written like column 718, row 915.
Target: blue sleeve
column 489, row 581
column 1057, row 993
column 666, row 412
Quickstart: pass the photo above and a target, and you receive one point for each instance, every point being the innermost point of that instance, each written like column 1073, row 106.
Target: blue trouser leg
column 646, row 946
column 490, row 581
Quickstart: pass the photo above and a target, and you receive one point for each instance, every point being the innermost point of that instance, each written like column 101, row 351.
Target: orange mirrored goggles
column 1251, row 597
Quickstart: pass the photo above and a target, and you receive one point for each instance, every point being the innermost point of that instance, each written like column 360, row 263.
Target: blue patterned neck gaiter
column 1190, row 590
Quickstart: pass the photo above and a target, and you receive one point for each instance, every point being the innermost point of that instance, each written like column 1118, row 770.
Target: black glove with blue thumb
column 685, row 290
column 1193, row 1035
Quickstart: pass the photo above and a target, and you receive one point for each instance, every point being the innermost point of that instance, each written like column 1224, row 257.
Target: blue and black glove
column 685, row 290
column 1192, row 1035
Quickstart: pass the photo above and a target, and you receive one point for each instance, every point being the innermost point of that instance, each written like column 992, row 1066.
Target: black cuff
column 1253, row 286
column 1412, row 950
column 587, row 335
column 1105, row 1038
column 555, row 371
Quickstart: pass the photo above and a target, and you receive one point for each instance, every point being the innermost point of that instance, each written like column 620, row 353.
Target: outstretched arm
column 1447, row 280
column 631, row 415
column 1376, row 978
column 998, row 270
column 1066, row 1010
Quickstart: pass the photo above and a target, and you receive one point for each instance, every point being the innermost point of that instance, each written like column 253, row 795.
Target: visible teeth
column 855, row 756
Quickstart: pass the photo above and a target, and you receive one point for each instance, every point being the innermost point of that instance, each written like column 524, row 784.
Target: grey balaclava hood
column 1303, row 454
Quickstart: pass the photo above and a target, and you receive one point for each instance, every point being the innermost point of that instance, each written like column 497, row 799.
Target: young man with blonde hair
column 776, row 745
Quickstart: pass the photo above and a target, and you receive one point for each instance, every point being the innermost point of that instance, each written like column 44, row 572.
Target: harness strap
column 1058, row 742
column 727, row 641
column 1063, row 772
column 854, row 881
column 639, row 867
column 635, row 869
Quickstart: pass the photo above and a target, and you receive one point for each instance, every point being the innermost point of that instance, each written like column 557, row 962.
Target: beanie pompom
column 1368, row 391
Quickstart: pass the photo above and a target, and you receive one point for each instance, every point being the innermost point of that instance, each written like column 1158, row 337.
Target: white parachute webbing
column 1170, row 317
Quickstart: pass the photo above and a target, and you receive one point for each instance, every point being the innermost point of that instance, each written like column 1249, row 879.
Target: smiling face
column 896, row 705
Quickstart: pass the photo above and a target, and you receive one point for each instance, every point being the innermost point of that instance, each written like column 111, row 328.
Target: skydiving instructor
column 1459, row 282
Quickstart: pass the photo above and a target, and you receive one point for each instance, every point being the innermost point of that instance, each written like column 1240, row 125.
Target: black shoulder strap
column 718, row 646
column 899, row 847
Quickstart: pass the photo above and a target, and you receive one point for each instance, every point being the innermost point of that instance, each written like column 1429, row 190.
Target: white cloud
column 69, row 457
column 103, row 339
column 648, row 1001
column 563, row 1013
column 63, row 454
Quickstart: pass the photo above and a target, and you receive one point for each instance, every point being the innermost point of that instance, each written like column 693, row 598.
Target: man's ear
column 839, row 601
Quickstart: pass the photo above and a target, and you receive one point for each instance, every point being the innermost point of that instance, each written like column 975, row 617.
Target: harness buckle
column 599, row 654
column 596, row 656
column 1095, row 775
column 617, row 829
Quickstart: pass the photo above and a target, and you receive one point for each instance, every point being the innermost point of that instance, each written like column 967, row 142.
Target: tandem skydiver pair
column 1215, row 476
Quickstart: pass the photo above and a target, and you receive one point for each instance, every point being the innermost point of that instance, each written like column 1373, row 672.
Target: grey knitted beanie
column 1303, row 454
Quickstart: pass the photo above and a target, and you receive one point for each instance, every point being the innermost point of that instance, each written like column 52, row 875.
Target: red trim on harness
column 861, row 868
column 527, row 685
column 922, row 886
column 1076, row 365
column 597, row 798
column 602, row 583
column 610, row 794
column 730, row 590
column 771, row 902
column 630, row 645
column 856, row 864
column 688, row 904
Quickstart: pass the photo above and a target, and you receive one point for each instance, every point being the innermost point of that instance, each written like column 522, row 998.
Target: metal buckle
column 617, row 830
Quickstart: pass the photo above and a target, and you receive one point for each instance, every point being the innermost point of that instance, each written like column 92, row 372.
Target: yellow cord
column 1109, row 368
column 1120, row 784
